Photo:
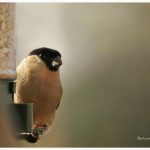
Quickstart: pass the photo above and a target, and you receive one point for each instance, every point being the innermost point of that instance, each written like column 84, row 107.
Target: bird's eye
column 41, row 55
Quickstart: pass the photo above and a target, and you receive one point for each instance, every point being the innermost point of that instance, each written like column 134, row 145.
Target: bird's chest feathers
column 46, row 84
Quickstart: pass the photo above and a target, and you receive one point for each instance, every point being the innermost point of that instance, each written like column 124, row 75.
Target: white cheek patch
column 54, row 63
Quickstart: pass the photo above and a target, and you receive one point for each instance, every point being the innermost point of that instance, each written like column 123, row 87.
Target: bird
column 38, row 82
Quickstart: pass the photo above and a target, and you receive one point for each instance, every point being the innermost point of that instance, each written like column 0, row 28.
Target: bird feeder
column 20, row 116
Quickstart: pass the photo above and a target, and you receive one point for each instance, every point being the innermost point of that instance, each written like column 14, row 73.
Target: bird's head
column 51, row 57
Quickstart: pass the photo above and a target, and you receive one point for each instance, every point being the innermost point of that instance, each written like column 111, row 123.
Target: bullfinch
column 38, row 82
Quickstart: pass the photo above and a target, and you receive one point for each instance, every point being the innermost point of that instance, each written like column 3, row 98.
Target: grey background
column 105, row 73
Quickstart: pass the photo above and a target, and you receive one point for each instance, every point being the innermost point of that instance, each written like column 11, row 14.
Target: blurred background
column 105, row 74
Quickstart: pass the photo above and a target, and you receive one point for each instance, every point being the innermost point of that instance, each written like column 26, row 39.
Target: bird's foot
column 42, row 129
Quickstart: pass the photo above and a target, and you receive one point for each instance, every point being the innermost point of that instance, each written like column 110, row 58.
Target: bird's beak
column 57, row 61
